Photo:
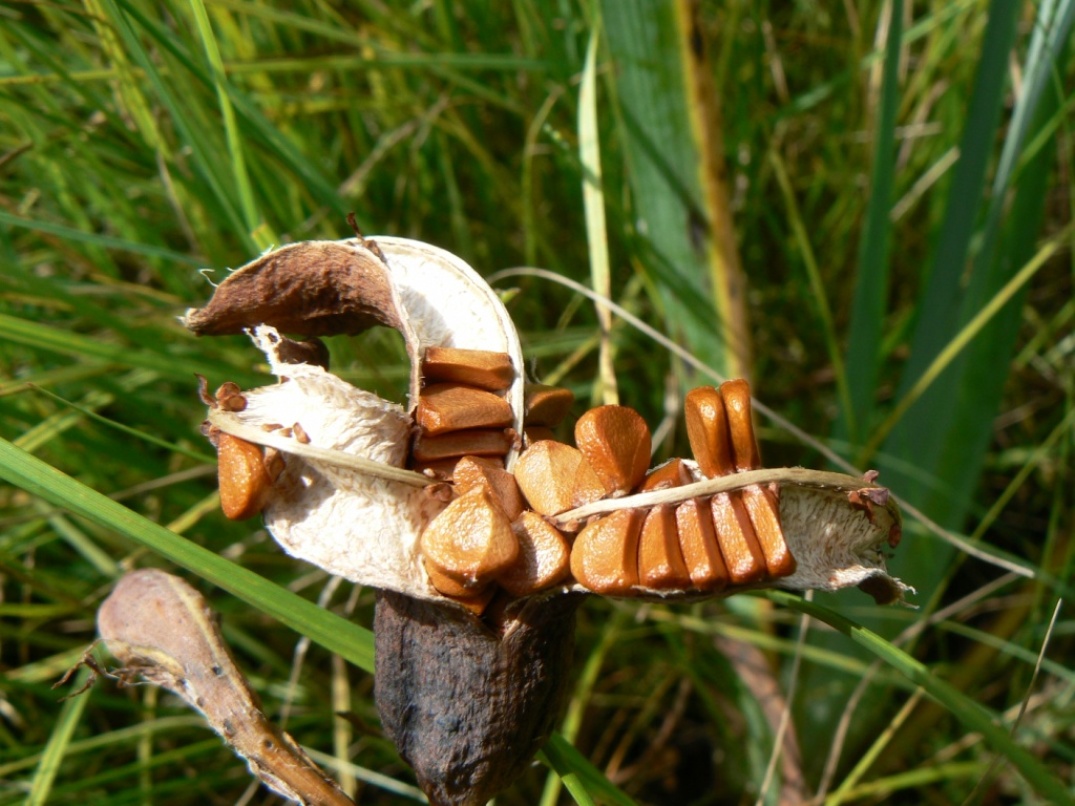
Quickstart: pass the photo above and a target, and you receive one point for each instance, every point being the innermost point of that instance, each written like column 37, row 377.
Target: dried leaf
column 161, row 629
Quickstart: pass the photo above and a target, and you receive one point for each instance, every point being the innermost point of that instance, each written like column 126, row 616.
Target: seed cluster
column 497, row 532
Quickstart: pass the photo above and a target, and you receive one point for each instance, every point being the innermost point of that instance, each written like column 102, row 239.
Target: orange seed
column 446, row 407
column 474, row 442
column 673, row 473
column 698, row 542
column 707, row 431
column 660, row 560
column 546, row 405
column 554, row 478
column 471, row 473
column 604, row 557
column 616, row 442
column 736, row 397
column 763, row 507
column 544, row 556
column 738, row 544
column 482, row 368
column 244, row 480
column 470, row 541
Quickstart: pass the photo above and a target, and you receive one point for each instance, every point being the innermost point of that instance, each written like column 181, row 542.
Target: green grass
column 869, row 218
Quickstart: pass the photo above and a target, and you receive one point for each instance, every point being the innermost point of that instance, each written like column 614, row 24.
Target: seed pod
column 660, row 559
column 468, row 699
column 314, row 288
column 554, row 477
column 162, row 630
column 604, row 557
column 446, row 407
column 485, row 369
column 616, row 443
column 468, row 707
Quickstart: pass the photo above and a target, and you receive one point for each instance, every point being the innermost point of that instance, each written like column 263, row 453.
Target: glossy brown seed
column 482, row 368
column 544, row 556
column 660, row 559
column 698, row 543
column 244, row 479
column 448, row 407
column 739, row 546
column 604, row 557
column 474, row 442
column 470, row 542
column 616, row 442
column 471, row 473
column 554, row 478
column 763, row 506
column 736, row 397
column 546, row 405
column 707, row 431
column 673, row 473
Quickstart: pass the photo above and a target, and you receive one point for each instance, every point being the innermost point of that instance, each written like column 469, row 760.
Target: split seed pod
column 469, row 699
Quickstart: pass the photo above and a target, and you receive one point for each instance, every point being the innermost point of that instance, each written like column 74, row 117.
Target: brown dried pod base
column 468, row 708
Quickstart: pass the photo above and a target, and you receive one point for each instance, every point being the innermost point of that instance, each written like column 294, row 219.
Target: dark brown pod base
column 466, row 708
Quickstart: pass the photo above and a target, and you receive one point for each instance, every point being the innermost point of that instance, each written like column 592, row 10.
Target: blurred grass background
column 864, row 208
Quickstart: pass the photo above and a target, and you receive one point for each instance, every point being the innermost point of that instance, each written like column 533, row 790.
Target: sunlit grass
column 883, row 209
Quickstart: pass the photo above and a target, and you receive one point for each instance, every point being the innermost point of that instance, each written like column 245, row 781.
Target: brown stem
column 467, row 708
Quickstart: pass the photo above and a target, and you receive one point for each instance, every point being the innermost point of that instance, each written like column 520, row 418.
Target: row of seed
column 485, row 539
column 496, row 532
column 731, row 539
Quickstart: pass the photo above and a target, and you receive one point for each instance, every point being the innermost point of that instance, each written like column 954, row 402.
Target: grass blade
column 973, row 716
column 871, row 289
column 674, row 153
column 353, row 643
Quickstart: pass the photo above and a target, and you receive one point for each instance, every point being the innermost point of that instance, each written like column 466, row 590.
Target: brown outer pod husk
column 465, row 707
